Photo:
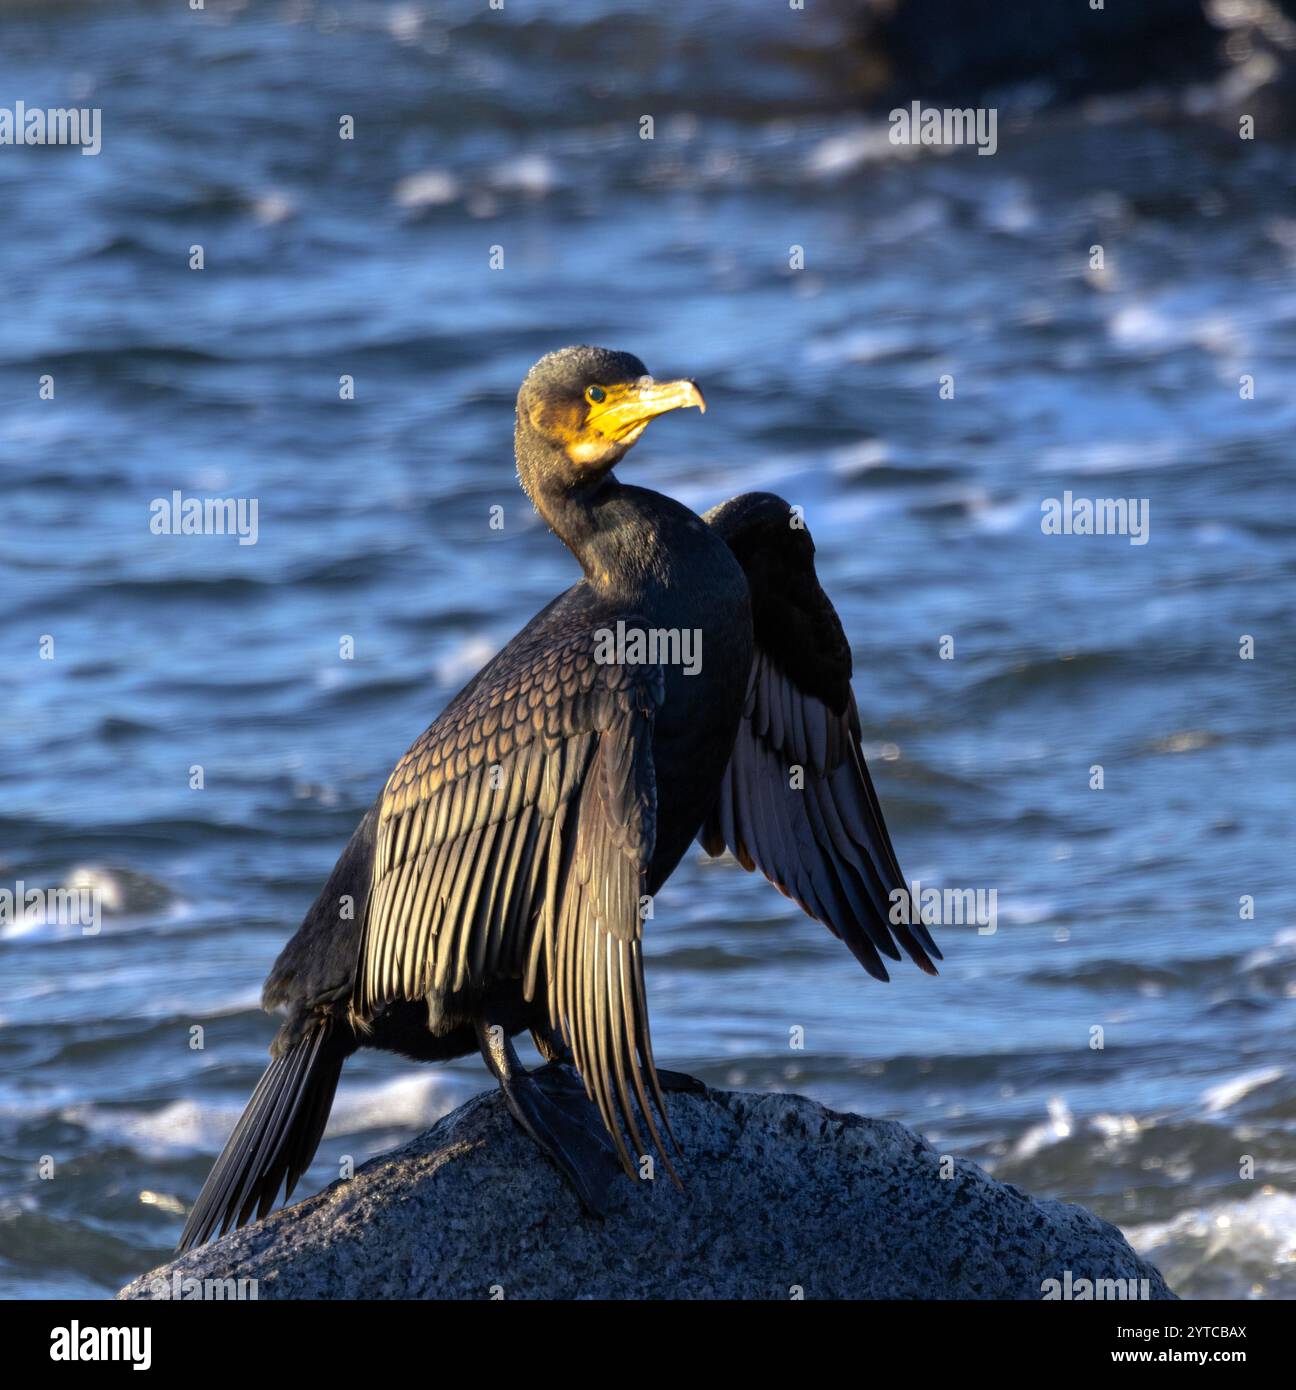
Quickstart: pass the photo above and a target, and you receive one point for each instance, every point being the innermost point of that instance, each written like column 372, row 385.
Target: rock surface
column 780, row 1195
column 960, row 52
column 951, row 48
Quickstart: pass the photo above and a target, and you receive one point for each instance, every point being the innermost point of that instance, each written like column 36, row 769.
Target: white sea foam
column 427, row 189
column 466, row 661
column 1230, row 1249
column 1227, row 1093
column 1111, row 456
column 186, row 1126
column 1057, row 1127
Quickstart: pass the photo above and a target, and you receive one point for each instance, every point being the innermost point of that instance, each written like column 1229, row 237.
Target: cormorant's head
column 585, row 406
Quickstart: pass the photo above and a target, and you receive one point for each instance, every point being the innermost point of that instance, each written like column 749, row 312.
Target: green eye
column 594, row 394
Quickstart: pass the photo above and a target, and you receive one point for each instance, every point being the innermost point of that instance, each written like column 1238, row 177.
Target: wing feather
column 797, row 801
column 513, row 841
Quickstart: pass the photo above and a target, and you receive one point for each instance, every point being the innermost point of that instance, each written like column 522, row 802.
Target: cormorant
column 498, row 882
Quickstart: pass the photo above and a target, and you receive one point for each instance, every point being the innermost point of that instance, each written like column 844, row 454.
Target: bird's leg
column 551, row 1047
column 562, row 1120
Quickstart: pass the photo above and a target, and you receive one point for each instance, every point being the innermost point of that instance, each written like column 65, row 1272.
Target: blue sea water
column 1118, row 909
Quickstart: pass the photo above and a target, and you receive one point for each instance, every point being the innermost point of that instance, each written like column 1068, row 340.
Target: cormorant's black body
column 496, row 885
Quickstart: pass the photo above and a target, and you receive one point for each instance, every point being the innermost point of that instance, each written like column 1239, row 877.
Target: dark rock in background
column 955, row 52
column 952, row 49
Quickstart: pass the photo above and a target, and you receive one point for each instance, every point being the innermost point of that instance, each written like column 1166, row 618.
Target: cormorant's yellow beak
column 625, row 410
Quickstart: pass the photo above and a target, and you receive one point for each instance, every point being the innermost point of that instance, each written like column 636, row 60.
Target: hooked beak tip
column 684, row 393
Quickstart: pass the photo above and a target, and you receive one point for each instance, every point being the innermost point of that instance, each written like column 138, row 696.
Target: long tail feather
column 274, row 1141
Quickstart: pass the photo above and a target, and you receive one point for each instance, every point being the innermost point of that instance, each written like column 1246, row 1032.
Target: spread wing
column 512, row 843
column 797, row 801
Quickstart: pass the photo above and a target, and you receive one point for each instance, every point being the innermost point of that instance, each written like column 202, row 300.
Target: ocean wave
column 1240, row 1248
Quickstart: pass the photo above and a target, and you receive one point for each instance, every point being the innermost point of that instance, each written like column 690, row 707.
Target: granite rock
column 782, row 1198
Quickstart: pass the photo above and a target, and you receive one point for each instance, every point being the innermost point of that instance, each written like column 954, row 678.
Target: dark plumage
column 496, row 883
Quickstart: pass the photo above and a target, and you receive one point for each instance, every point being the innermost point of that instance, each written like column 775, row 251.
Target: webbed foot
column 681, row 1081
column 552, row 1107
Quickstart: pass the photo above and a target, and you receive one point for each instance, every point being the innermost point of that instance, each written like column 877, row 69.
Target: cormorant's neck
column 576, row 508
